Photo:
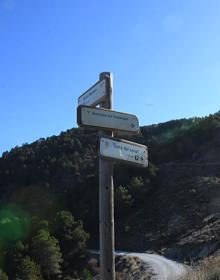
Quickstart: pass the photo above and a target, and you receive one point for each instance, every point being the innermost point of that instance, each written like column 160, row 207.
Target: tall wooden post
column 106, row 200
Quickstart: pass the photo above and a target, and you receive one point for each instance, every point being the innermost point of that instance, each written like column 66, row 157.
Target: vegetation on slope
column 39, row 181
column 208, row 269
column 54, row 250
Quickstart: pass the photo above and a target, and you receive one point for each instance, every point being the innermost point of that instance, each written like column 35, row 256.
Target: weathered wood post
column 106, row 200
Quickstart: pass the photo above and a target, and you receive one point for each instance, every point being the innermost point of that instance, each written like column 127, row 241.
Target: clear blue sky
column 164, row 55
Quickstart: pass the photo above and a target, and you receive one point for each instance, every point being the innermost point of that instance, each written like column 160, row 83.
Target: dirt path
column 159, row 266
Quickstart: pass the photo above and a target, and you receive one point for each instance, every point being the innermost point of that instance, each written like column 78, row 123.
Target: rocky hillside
column 172, row 207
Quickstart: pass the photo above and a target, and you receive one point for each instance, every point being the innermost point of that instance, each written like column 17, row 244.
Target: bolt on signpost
column 110, row 150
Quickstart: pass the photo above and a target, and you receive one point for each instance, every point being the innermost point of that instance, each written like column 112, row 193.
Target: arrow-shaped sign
column 107, row 119
column 94, row 95
column 124, row 151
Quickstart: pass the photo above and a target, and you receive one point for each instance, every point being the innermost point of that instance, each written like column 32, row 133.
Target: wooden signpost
column 110, row 150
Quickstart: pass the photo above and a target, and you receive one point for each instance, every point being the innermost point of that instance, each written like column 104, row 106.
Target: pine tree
column 46, row 252
column 3, row 276
column 28, row 270
column 71, row 236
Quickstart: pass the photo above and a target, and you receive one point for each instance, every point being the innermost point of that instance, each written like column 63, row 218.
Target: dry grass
column 208, row 270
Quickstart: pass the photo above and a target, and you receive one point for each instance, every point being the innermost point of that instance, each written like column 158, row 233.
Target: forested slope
column 155, row 208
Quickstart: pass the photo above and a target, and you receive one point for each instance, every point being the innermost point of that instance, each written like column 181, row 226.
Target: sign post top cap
column 102, row 75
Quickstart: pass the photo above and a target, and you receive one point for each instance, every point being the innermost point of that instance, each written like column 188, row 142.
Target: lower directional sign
column 124, row 151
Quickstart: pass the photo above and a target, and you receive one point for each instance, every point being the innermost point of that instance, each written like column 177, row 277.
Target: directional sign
column 124, row 151
column 94, row 95
column 107, row 119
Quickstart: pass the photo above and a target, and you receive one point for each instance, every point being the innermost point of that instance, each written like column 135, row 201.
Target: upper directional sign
column 107, row 119
column 124, row 151
column 94, row 95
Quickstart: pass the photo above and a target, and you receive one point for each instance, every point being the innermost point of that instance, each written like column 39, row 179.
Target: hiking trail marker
column 107, row 119
column 124, row 151
column 95, row 94
column 110, row 150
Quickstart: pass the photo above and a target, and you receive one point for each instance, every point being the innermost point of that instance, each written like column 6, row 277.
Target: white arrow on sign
column 94, row 95
column 124, row 151
column 107, row 119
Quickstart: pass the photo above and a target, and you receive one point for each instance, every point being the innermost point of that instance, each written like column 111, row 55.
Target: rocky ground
column 127, row 268
column 193, row 210
column 182, row 215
